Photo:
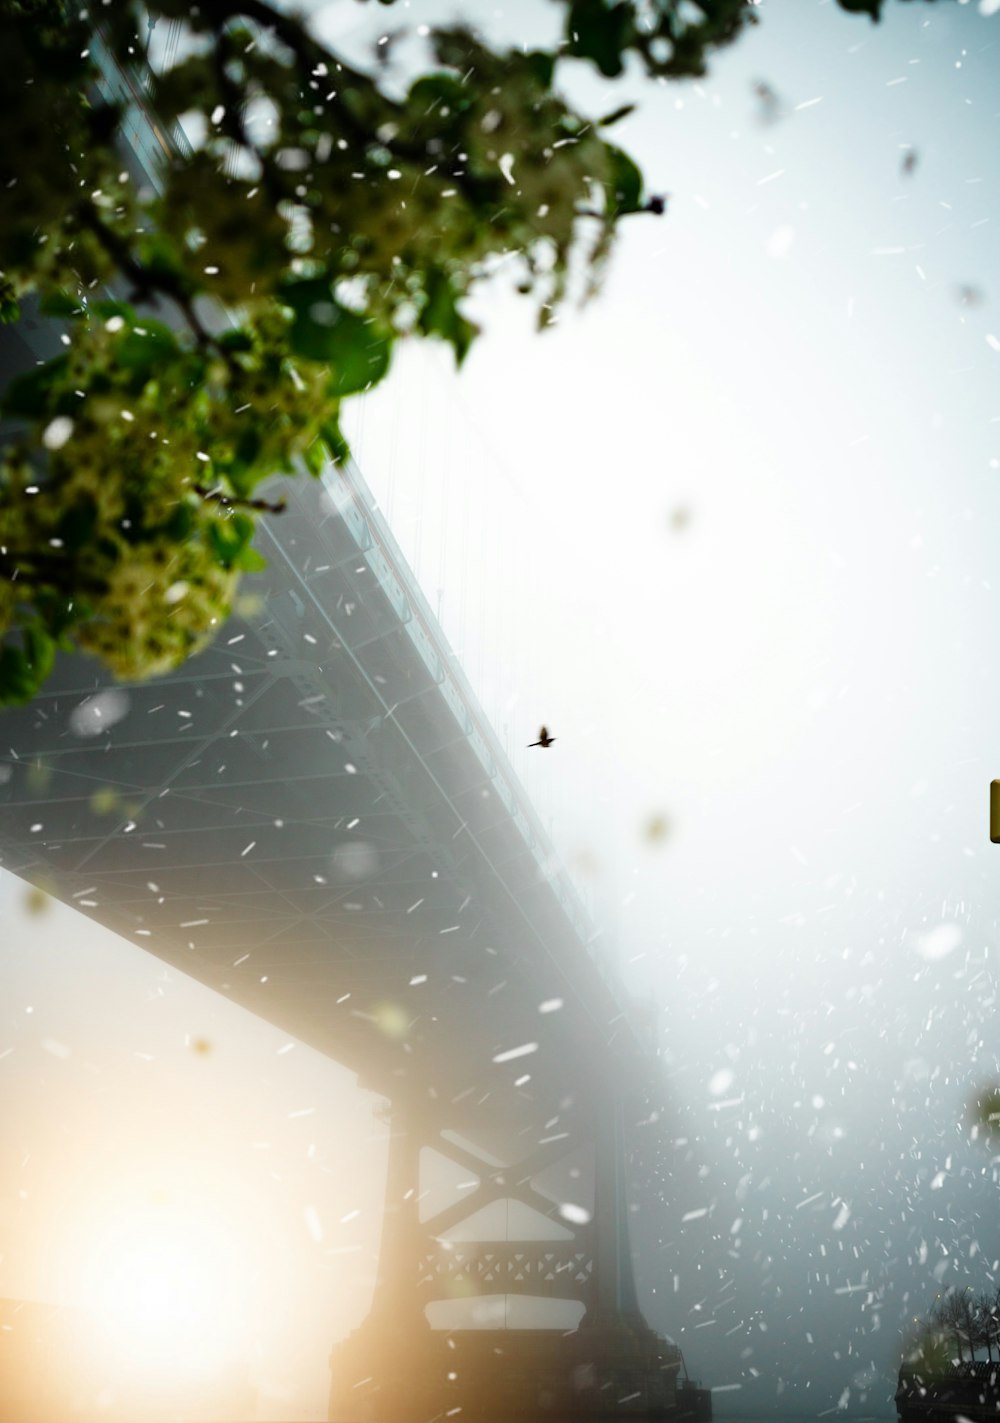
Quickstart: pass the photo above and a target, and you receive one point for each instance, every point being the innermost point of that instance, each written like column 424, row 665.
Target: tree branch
column 233, row 501
column 149, row 286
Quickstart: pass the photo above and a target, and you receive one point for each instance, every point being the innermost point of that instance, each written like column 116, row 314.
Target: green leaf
column 316, row 458
column 616, row 116
column 109, row 550
column 336, row 443
column 18, row 682
column 356, row 350
column 244, row 470
column 441, row 317
column 178, row 527
column 243, row 526
column 432, row 92
column 230, row 538
column 23, row 669
column 40, row 651
column 236, row 340
column 106, row 309
column 60, row 304
column 27, row 396
column 599, row 32
column 542, row 65
column 59, row 611
column 10, row 310
column 77, row 524
column 250, row 560
column 144, row 349
column 626, row 182
column 132, row 526
column 188, row 85
column 103, row 121
column 863, row 7
column 162, row 258
column 221, row 546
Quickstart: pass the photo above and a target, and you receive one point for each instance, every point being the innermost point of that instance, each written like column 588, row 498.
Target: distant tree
column 958, row 1315
column 960, row 1320
column 927, row 1347
column 988, row 1318
column 946, row 1316
column 213, row 329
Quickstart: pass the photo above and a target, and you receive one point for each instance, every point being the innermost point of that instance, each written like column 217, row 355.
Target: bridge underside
column 313, row 818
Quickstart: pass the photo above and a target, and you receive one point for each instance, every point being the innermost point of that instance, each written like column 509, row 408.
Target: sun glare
column 164, row 1289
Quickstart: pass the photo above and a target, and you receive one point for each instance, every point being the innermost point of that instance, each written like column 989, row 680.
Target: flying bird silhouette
column 544, row 739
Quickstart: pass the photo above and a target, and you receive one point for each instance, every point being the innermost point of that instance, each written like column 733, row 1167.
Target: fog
column 728, row 532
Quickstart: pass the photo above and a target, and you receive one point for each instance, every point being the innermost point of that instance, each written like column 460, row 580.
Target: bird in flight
column 544, row 739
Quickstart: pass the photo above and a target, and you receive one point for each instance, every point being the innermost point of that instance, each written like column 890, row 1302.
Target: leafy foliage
column 265, row 279
column 671, row 39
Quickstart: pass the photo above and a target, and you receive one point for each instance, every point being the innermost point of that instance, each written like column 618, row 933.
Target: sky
column 728, row 531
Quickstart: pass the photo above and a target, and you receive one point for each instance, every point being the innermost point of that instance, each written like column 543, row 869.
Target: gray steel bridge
column 314, row 818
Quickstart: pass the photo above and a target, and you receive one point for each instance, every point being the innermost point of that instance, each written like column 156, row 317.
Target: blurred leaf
column 181, row 522
column 21, row 673
column 433, row 91
column 248, row 445
column 144, row 349
column 39, row 777
column 250, row 560
column 599, row 32
column 36, row 900
column 40, row 651
column 336, row 442
column 236, row 340
column 862, row 7
column 60, row 304
column 161, row 258
column 441, row 316
column 542, row 64
column 984, row 1110
column 77, row 524
column 188, row 85
column 616, row 116
column 626, row 182
column 59, row 611
column 107, row 309
column 230, row 538
column 316, row 458
column 356, row 350
column 28, row 395
column 103, row 121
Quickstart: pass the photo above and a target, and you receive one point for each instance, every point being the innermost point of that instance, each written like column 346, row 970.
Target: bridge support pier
column 505, row 1287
